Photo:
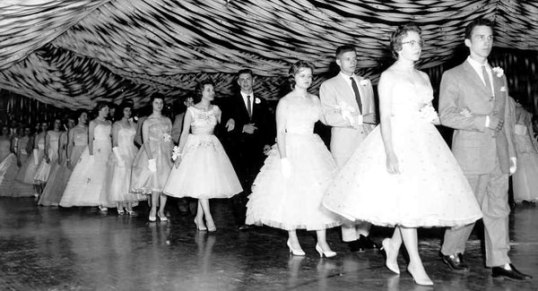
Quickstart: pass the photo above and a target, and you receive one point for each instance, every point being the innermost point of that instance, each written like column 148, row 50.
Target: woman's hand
column 177, row 162
column 393, row 166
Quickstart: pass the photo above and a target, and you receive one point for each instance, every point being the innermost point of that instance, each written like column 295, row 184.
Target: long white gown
column 88, row 177
column 430, row 190
column 295, row 202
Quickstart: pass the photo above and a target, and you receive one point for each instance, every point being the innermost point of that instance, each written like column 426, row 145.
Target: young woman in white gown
column 203, row 170
column 404, row 174
column 153, row 162
column 287, row 192
column 36, row 157
column 53, row 191
column 88, row 177
column 118, row 180
column 50, row 157
column 77, row 140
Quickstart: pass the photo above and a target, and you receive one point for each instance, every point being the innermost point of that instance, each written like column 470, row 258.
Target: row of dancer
column 401, row 173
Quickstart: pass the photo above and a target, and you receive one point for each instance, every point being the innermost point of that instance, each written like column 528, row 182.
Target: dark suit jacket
column 246, row 150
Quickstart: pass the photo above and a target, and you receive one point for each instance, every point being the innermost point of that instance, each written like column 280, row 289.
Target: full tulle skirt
column 87, row 180
column 430, row 190
column 205, row 171
column 118, row 180
column 144, row 181
column 53, row 191
column 44, row 168
column 294, row 202
column 30, row 167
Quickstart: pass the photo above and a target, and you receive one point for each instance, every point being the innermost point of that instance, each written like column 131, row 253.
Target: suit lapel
column 475, row 79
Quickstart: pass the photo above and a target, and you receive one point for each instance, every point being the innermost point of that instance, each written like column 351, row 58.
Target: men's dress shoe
column 455, row 263
column 354, row 246
column 514, row 274
column 362, row 244
column 366, row 243
column 244, row 227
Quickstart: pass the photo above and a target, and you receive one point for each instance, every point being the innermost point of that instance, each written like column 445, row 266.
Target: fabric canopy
column 72, row 53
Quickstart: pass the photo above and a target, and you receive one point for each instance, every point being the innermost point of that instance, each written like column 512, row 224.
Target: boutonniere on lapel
column 364, row 82
column 499, row 72
column 257, row 100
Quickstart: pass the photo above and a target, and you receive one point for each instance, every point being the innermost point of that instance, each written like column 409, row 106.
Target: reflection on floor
column 79, row 249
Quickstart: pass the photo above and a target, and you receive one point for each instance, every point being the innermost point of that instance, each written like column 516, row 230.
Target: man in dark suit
column 247, row 136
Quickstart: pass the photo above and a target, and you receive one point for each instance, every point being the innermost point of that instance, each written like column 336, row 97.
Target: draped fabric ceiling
column 72, row 53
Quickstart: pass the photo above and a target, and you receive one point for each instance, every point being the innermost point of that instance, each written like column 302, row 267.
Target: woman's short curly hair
column 399, row 34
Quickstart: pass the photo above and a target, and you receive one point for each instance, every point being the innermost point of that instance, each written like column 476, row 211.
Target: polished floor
column 44, row 248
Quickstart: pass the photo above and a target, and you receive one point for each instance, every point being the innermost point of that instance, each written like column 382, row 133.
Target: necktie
column 357, row 94
column 487, row 80
column 249, row 106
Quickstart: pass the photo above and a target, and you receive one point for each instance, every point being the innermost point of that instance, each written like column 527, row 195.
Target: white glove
column 513, row 165
column 152, row 165
column 116, row 152
column 285, row 167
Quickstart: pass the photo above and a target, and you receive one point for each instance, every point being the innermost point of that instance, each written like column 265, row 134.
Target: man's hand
column 230, row 124
column 266, row 149
column 495, row 123
column 249, row 128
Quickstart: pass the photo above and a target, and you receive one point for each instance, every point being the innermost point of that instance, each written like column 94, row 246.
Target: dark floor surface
column 44, row 248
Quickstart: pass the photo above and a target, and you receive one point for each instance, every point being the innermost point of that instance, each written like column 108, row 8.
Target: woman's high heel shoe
column 198, row 226
column 295, row 252
column 152, row 218
column 393, row 266
column 327, row 254
column 211, row 227
column 162, row 218
column 420, row 281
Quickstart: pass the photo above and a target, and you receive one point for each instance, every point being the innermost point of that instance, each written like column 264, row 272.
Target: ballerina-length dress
column 205, row 170
column 431, row 189
column 118, row 180
column 8, row 167
column 525, row 179
column 295, row 202
column 44, row 169
column 58, row 178
column 144, row 181
column 88, row 177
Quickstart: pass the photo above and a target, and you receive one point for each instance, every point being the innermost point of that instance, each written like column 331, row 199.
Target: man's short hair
column 344, row 49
